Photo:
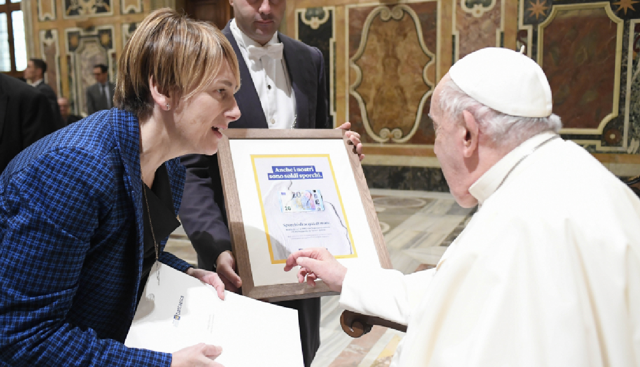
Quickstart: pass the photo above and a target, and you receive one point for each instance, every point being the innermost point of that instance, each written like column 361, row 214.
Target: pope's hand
column 199, row 355
column 354, row 138
column 226, row 269
column 317, row 263
column 208, row 277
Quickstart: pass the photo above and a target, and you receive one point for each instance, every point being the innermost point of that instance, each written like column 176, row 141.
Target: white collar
column 37, row 82
column 245, row 41
column 491, row 180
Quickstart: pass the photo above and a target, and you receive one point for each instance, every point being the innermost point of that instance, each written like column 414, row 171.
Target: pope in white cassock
column 547, row 272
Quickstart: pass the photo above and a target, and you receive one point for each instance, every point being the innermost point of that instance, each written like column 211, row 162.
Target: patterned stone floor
column 418, row 226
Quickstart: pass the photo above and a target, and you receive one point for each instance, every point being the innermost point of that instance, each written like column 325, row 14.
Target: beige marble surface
column 418, row 226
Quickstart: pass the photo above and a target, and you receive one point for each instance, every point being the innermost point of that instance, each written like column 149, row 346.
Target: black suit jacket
column 203, row 213
column 95, row 99
column 71, row 119
column 53, row 103
column 25, row 117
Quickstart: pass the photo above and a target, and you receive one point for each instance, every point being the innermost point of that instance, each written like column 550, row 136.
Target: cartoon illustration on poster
column 301, row 205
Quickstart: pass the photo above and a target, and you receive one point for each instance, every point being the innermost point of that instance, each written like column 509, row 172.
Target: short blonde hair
column 182, row 55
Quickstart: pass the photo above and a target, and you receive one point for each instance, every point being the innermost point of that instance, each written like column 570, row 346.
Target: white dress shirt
column 546, row 273
column 36, row 83
column 271, row 80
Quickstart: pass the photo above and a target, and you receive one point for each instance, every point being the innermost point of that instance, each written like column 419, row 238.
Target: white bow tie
column 274, row 51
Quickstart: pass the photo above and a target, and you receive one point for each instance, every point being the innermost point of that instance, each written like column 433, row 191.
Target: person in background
column 546, row 273
column 34, row 73
column 25, row 117
column 100, row 95
column 283, row 87
column 86, row 211
column 65, row 110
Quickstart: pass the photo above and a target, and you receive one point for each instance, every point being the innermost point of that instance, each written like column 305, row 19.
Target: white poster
column 299, row 193
column 301, row 205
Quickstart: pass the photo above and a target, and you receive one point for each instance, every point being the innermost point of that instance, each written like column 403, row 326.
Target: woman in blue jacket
column 85, row 212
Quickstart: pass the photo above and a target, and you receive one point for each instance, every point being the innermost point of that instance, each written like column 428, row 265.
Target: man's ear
column 158, row 98
column 471, row 134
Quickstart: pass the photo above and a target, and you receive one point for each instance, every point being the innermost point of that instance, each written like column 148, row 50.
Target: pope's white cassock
column 545, row 274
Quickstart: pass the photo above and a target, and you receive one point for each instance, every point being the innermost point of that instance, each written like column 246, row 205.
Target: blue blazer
column 71, row 246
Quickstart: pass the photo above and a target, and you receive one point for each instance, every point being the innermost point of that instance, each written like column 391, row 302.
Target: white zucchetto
column 505, row 80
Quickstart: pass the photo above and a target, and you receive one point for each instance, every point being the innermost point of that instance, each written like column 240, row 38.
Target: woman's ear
column 470, row 143
column 159, row 99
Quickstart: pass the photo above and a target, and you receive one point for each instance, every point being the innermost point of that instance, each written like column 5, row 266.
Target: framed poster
column 286, row 190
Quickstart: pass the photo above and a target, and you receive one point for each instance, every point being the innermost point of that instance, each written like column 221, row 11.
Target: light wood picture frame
column 249, row 160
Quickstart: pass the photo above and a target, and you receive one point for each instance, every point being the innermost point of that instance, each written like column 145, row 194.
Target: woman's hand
column 208, row 277
column 199, row 355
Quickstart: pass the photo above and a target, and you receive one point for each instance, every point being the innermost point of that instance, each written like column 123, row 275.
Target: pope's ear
column 471, row 134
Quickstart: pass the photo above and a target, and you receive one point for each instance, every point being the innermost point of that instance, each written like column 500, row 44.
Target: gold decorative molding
column 130, row 6
column 314, row 22
column 46, row 43
column 84, row 8
column 477, row 10
column 46, row 10
column 618, row 63
column 386, row 14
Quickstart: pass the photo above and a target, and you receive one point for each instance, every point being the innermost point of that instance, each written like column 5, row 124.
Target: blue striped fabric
column 71, row 246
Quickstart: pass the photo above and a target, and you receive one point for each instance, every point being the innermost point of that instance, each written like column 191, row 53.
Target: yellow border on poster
column 264, row 217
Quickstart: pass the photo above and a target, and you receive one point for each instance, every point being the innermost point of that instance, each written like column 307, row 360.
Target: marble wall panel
column 50, row 51
column 46, row 10
column 392, row 71
column 579, row 58
column 631, row 96
column 316, row 27
column 477, row 25
column 590, row 47
column 590, row 67
column 88, row 48
column 405, row 178
column 83, row 8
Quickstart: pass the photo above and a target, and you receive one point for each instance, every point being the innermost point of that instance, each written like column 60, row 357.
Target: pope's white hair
column 502, row 129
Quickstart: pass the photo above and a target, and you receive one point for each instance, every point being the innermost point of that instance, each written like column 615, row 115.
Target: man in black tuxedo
column 34, row 73
column 283, row 86
column 25, row 117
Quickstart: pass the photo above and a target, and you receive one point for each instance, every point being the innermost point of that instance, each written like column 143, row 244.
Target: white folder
column 182, row 311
